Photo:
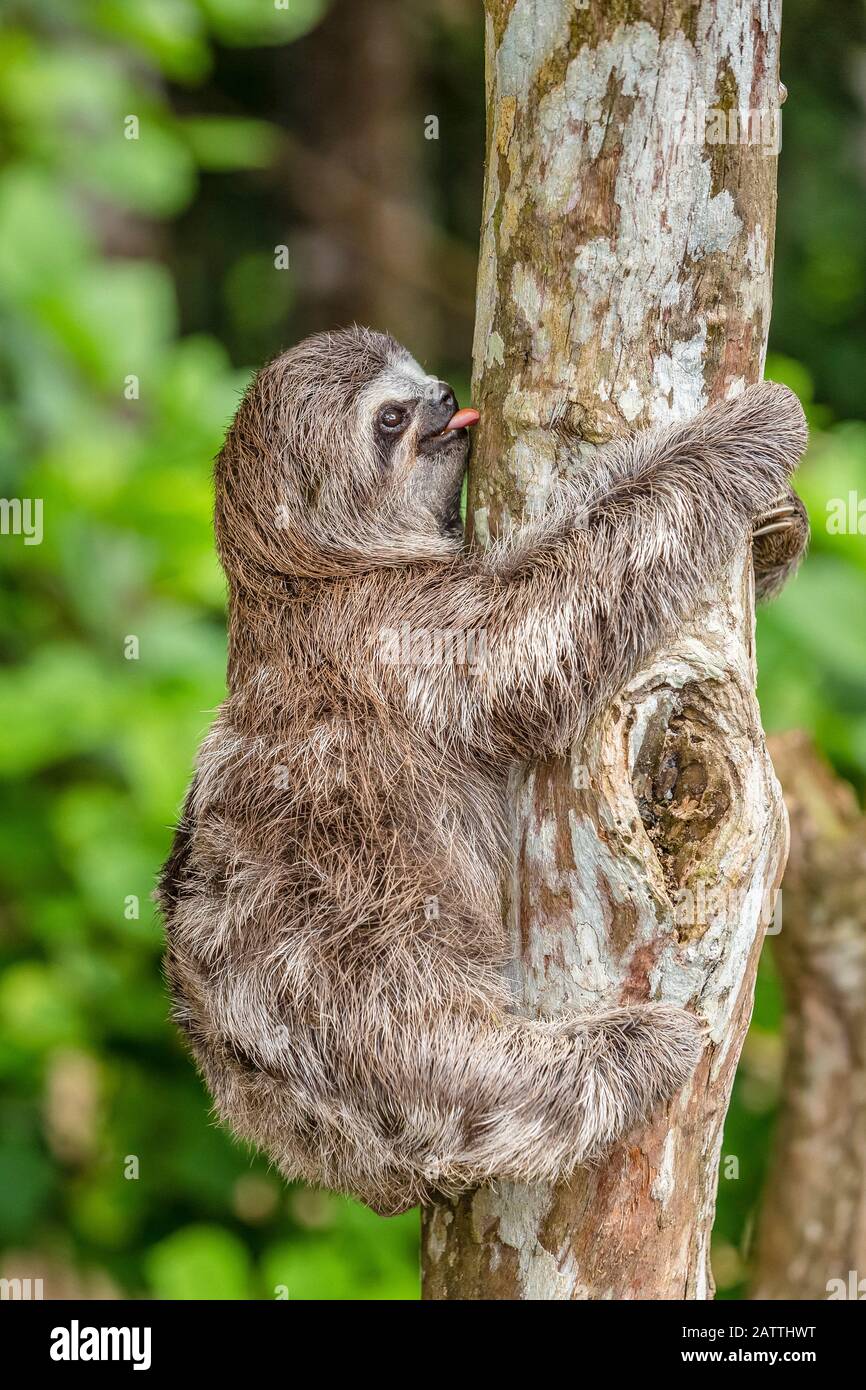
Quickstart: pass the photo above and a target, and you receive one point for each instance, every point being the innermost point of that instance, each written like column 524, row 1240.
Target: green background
column 153, row 258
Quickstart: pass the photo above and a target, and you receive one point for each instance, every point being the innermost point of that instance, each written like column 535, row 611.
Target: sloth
column 333, row 895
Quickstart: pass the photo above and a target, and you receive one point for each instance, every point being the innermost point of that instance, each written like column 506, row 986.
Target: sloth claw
column 778, row 519
column 766, row 530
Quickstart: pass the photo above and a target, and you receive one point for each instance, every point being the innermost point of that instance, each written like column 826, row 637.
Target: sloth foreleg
column 573, row 604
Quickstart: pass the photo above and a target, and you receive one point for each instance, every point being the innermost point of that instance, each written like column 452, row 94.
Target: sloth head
column 344, row 455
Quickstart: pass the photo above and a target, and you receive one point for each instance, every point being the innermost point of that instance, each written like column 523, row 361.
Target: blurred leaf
column 832, row 483
column 222, row 142
column 25, row 1185
column 33, row 255
column 823, row 614
column 35, row 1007
column 790, row 373
column 86, row 818
column 57, row 705
column 169, row 31
column 308, row 1269
column 153, row 174
column 251, row 22
column 257, row 294
column 115, row 319
column 199, row 1262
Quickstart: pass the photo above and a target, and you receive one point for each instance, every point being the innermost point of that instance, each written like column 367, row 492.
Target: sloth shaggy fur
column 332, row 898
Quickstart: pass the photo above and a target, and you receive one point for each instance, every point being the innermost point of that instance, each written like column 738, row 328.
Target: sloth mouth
column 456, row 428
column 463, row 420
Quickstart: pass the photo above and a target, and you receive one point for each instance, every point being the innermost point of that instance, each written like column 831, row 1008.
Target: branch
column 813, row 1219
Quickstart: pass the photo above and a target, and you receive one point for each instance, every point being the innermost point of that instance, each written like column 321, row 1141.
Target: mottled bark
column 812, row 1232
column 625, row 279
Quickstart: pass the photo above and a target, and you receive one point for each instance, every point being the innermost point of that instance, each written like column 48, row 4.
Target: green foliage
column 812, row 641
column 109, row 1159
column 819, row 314
column 112, row 631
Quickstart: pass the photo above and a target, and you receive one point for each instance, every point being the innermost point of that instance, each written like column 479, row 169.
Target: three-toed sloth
column 332, row 897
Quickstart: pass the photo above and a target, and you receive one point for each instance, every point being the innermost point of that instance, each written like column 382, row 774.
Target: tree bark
column 625, row 279
column 812, row 1232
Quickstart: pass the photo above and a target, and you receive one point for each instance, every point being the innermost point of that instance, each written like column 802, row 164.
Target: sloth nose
column 445, row 397
column 439, row 408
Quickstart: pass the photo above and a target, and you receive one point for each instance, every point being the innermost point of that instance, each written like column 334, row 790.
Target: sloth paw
column 639, row 1057
column 779, row 542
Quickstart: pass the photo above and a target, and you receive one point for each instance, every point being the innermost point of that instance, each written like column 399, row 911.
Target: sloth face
column 420, row 438
column 343, row 453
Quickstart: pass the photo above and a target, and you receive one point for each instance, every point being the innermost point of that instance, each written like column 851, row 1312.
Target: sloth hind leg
column 525, row 1101
column 577, row 1086
column 437, row 1105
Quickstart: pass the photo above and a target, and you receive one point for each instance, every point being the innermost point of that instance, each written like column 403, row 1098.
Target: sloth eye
column 393, row 417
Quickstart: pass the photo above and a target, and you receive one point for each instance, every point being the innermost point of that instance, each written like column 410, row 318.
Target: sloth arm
column 565, row 612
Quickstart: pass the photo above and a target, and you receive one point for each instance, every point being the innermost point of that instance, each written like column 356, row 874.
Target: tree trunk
column 812, row 1234
column 625, row 279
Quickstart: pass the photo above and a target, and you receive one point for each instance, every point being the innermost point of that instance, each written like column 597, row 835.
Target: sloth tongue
column 462, row 420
